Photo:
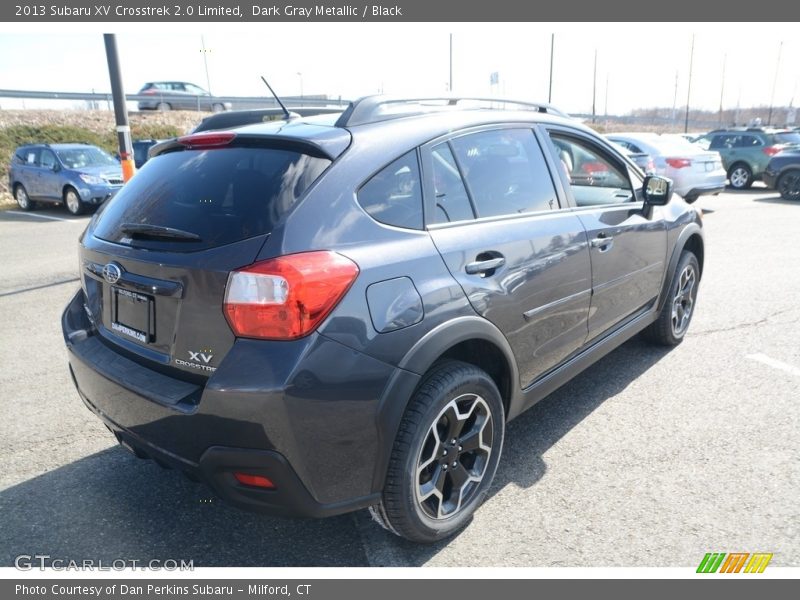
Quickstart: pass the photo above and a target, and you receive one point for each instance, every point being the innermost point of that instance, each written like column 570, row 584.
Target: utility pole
column 605, row 109
column 594, row 88
column 205, row 52
column 689, row 88
column 675, row 98
column 550, row 88
column 120, row 110
column 722, row 87
column 451, row 64
column 774, row 84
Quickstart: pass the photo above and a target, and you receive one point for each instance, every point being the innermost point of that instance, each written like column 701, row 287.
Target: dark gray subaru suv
column 331, row 313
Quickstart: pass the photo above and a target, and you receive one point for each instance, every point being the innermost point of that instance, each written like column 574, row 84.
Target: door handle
column 483, row 266
column 603, row 242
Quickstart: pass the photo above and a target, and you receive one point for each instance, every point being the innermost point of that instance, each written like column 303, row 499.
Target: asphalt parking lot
column 649, row 458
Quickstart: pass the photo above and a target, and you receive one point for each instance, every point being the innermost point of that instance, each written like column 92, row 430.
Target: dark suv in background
column 746, row 152
column 344, row 311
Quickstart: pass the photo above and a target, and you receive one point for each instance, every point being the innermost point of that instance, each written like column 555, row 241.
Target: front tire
column 163, row 107
column 673, row 321
column 740, row 176
column 445, row 454
column 218, row 108
column 73, row 202
column 789, row 185
column 22, row 198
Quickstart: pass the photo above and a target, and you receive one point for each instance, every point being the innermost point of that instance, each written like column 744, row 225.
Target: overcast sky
column 639, row 60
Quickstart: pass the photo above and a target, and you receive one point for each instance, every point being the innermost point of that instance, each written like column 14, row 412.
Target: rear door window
column 221, row 196
column 505, row 172
column 452, row 200
column 747, row 141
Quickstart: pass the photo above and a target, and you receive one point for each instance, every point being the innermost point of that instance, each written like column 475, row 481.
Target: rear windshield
column 220, row 195
column 787, row 138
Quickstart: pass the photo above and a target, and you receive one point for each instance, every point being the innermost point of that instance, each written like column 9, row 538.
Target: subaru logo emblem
column 112, row 273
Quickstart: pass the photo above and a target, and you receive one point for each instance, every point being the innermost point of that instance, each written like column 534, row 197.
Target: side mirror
column 56, row 168
column 657, row 190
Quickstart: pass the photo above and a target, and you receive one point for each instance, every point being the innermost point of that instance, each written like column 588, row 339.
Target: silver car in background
column 695, row 172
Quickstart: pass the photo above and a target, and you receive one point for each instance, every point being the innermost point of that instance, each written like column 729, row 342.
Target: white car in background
column 695, row 172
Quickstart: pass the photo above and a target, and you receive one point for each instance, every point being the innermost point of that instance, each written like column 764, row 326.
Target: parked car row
column 746, row 151
column 693, row 171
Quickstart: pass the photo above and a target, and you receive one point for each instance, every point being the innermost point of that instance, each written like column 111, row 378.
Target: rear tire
column 740, row 176
column 217, row 108
column 163, row 107
column 789, row 185
column 23, row 200
column 673, row 321
column 73, row 202
column 445, row 454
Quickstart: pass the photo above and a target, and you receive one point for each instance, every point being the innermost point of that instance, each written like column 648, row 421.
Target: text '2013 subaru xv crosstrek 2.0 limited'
column 344, row 311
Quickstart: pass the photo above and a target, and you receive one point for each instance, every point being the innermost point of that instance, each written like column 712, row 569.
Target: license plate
column 133, row 315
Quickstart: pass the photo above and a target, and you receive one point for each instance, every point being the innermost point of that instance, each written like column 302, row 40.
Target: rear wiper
column 158, row 231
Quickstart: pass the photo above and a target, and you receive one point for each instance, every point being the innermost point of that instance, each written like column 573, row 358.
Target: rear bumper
column 695, row 192
column 770, row 178
column 307, row 417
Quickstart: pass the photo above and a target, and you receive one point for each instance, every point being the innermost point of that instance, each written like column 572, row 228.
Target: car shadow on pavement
column 530, row 436
column 111, row 506
column 776, row 200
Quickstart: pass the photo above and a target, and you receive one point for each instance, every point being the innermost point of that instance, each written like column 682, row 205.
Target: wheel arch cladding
column 691, row 238
column 472, row 340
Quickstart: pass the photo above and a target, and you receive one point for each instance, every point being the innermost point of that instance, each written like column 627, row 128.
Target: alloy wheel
column 73, row 202
column 739, row 177
column 22, row 198
column 683, row 302
column 454, row 456
column 789, row 186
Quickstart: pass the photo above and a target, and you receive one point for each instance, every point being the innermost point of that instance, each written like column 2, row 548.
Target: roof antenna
column 278, row 100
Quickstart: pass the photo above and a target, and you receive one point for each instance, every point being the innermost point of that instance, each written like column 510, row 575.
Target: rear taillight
column 149, row 92
column 679, row 163
column 286, row 298
column 207, row 139
column 771, row 150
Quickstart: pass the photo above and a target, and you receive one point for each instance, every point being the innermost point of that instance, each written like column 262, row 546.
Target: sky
column 637, row 63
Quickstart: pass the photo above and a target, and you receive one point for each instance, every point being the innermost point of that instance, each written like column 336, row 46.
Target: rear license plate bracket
column 133, row 314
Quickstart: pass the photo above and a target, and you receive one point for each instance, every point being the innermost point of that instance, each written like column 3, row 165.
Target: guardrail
column 237, row 101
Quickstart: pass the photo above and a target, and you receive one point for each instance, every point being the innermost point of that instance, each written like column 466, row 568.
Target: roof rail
column 373, row 109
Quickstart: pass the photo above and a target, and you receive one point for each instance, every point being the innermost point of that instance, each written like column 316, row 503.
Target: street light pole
column 205, row 52
column 774, row 84
column 594, row 88
column 550, row 87
column 300, row 75
column 450, row 89
column 722, row 87
column 689, row 88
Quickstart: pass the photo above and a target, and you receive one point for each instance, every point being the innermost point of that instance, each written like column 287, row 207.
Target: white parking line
column 48, row 217
column 775, row 364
